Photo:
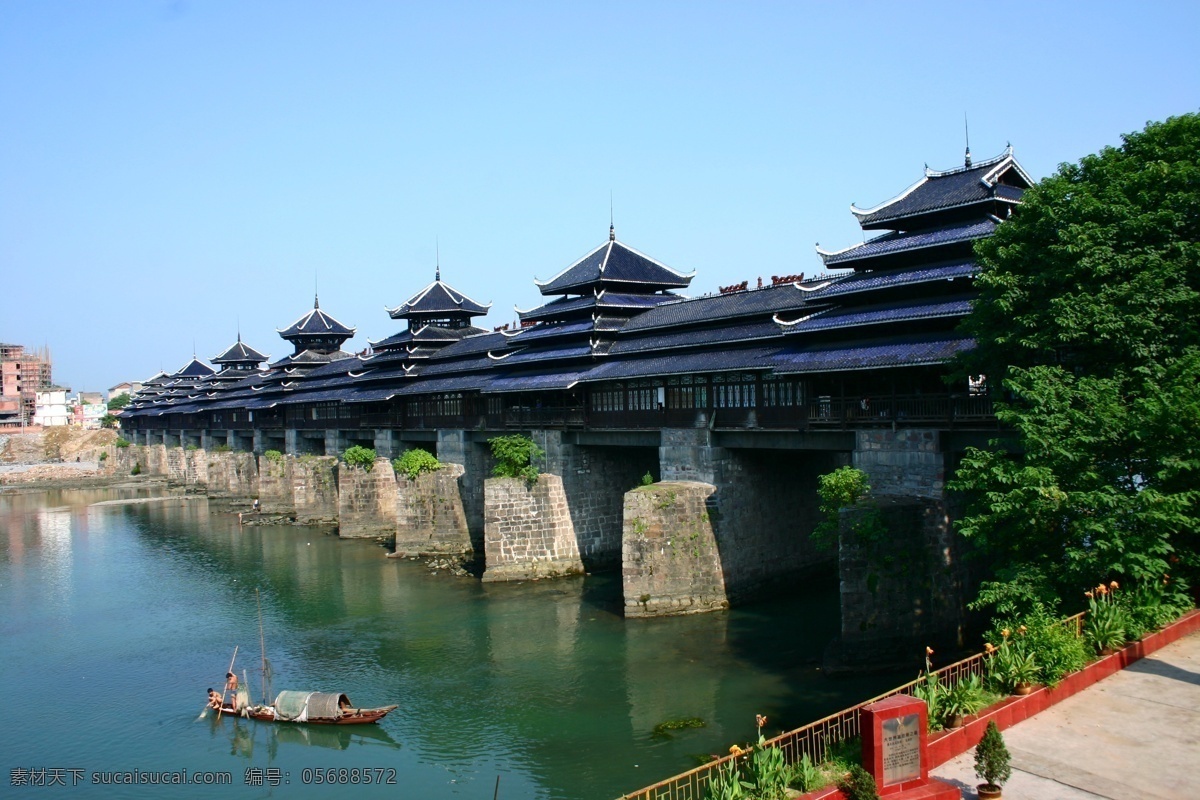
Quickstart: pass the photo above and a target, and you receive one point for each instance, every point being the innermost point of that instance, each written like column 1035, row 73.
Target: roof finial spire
column 239, row 326
column 612, row 228
column 967, row 133
column 437, row 256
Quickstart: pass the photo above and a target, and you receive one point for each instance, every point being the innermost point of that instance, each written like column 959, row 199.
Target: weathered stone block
column 671, row 562
column 367, row 500
column 524, row 536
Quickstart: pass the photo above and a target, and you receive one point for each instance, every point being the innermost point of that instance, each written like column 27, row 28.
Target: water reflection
column 245, row 735
column 543, row 683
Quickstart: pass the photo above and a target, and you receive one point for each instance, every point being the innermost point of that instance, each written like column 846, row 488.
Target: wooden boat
column 318, row 708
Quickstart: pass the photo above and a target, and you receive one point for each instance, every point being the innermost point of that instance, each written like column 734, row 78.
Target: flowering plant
column 1107, row 621
column 1013, row 662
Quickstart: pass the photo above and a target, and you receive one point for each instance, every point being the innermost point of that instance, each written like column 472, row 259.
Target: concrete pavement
column 1133, row 736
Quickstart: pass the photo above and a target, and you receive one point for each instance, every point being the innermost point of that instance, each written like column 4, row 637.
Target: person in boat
column 214, row 699
column 231, row 682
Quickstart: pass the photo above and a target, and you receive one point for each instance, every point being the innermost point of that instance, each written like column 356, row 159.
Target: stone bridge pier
column 909, row 588
column 596, row 472
column 727, row 524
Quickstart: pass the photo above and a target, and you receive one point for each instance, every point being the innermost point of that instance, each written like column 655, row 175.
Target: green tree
column 119, row 402
column 416, row 461
column 359, row 456
column 838, row 490
column 1087, row 326
column 516, row 457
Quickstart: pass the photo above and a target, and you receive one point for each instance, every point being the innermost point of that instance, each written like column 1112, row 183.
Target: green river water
column 116, row 619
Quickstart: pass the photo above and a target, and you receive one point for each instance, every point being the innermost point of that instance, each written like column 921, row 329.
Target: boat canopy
column 293, row 706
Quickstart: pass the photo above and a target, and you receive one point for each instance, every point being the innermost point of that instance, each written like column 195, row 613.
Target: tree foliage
column 359, row 456
column 842, row 488
column 416, row 461
column 119, row 402
column 516, row 457
column 992, row 761
column 1087, row 319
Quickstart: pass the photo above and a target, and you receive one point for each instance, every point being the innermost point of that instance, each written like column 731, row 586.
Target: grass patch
column 664, row 730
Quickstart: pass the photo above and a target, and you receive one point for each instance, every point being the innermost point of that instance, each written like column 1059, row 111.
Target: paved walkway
column 1133, row 736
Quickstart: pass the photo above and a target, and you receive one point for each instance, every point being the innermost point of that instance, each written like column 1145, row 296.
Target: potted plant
column 1012, row 667
column 961, row 700
column 992, row 762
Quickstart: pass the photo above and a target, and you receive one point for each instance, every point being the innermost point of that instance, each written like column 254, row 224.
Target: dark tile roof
column 613, row 262
column 472, row 345
column 892, row 243
column 240, row 353
column 550, row 330
column 439, row 298
column 876, row 354
column 846, row 318
column 956, row 187
column 756, row 302
column 534, row 354
column 872, row 280
column 472, row 363
column 426, row 333
column 320, row 396
column 451, row 383
column 194, row 369
column 750, row 358
column 316, row 322
column 310, row 357
column 695, row 337
column 606, row 299
column 542, row 381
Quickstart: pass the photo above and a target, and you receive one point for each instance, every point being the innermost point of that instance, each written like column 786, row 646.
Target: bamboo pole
column 226, row 688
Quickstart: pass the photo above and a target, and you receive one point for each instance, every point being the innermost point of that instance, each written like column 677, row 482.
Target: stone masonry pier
column 528, row 531
column 671, row 562
column 430, row 516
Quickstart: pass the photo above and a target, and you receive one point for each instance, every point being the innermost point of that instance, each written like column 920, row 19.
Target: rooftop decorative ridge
column 999, row 163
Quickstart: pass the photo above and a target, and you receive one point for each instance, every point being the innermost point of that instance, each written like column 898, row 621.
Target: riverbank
column 32, row 478
column 57, row 458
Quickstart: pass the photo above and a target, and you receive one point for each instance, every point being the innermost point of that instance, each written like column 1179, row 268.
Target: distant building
column 52, row 407
column 10, row 411
column 125, row 387
column 22, row 375
column 89, row 410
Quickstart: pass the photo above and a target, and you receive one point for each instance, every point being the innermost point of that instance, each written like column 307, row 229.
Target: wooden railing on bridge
column 822, row 412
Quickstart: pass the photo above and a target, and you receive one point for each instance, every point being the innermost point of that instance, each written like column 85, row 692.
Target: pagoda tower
column 239, row 358
column 317, row 339
column 437, row 315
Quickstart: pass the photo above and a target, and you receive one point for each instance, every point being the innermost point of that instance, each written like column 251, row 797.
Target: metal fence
column 816, row 738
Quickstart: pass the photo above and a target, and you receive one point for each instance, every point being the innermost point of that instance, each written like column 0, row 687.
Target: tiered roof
column 194, row 370
column 437, row 315
column 912, row 285
column 239, row 357
column 973, row 190
column 316, row 330
column 616, row 266
column 317, row 337
column 439, row 300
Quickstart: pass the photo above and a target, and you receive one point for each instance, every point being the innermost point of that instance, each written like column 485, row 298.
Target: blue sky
column 168, row 169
